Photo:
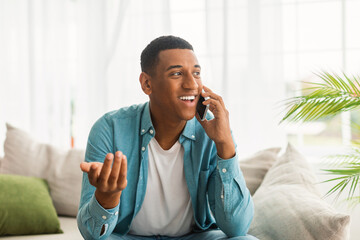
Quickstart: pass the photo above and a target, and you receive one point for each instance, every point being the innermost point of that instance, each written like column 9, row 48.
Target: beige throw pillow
column 254, row 168
column 288, row 205
column 27, row 157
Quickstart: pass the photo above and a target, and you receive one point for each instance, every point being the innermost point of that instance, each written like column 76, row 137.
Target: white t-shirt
column 167, row 208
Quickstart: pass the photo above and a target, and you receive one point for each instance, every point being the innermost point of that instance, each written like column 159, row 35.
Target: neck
column 167, row 130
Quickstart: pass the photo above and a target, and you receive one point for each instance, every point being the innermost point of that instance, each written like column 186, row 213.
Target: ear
column 145, row 82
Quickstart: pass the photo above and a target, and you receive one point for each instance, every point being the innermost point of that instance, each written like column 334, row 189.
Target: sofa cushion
column 26, row 206
column 255, row 167
column 68, row 225
column 28, row 157
column 288, row 205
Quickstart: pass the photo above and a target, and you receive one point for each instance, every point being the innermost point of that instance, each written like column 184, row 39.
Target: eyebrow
column 180, row 66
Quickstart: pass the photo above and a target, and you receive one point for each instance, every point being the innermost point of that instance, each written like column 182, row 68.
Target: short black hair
column 149, row 56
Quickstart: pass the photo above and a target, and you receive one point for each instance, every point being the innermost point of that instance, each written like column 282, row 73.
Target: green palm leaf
column 339, row 159
column 324, row 100
column 348, row 175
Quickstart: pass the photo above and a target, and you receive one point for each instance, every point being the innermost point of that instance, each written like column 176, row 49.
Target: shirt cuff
column 228, row 168
column 101, row 214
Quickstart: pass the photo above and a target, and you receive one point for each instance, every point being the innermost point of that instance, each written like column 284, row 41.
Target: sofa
column 40, row 188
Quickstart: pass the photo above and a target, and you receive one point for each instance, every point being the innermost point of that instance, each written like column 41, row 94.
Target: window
column 317, row 36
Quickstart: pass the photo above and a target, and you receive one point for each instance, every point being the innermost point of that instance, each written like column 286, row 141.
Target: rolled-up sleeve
column 93, row 217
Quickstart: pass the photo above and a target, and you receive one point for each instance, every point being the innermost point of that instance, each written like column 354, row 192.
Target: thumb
column 203, row 123
column 85, row 167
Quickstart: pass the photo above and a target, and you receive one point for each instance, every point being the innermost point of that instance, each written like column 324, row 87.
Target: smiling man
column 155, row 170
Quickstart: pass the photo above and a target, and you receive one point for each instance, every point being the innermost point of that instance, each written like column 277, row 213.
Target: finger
column 213, row 104
column 206, row 89
column 211, row 95
column 115, row 168
column 214, row 96
column 85, row 167
column 93, row 174
column 216, row 108
column 222, row 102
column 106, row 169
column 122, row 181
column 213, row 109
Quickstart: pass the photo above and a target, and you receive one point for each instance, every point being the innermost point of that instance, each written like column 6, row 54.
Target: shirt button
column 222, row 196
column 224, row 170
column 143, row 130
column 104, row 217
column 116, row 213
column 143, row 149
column 192, row 136
column 151, row 131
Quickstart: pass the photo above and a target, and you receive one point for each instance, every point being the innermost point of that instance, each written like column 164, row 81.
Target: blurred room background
column 64, row 63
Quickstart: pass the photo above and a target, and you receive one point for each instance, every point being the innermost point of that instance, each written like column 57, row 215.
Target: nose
column 190, row 82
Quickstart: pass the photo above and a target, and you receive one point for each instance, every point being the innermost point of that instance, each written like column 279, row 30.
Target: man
column 154, row 171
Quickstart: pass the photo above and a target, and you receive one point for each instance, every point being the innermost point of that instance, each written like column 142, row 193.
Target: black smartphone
column 202, row 109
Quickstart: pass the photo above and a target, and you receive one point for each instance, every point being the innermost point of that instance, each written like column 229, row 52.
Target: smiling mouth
column 187, row 98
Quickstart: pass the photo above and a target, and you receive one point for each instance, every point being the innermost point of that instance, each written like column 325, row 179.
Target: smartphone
column 202, row 109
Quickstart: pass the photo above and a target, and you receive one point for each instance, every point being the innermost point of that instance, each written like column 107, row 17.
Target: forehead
column 183, row 57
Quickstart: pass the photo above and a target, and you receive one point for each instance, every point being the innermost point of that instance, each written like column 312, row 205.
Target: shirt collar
column 146, row 124
column 189, row 130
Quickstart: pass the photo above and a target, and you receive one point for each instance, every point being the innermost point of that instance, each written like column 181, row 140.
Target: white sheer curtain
column 53, row 53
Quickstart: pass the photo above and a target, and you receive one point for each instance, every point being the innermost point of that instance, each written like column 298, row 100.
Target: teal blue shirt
column 219, row 196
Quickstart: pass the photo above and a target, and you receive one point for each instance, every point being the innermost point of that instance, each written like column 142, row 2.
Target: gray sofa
column 287, row 202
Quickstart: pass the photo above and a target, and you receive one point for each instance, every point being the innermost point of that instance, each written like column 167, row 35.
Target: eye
column 176, row 74
column 197, row 73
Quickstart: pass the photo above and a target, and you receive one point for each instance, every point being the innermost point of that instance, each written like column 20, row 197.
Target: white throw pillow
column 255, row 167
column 27, row 157
column 288, row 205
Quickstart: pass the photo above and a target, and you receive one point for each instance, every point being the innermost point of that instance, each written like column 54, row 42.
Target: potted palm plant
column 333, row 95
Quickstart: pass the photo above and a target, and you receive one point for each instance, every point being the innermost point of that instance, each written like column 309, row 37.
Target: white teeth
column 187, row 98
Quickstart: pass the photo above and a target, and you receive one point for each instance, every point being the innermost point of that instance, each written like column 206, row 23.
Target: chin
column 188, row 117
column 187, row 114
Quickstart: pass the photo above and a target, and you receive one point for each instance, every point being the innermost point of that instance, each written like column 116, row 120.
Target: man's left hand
column 218, row 128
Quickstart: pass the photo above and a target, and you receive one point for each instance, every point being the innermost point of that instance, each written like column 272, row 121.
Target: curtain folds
column 87, row 53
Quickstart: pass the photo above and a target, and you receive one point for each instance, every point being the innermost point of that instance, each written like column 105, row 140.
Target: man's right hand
column 109, row 181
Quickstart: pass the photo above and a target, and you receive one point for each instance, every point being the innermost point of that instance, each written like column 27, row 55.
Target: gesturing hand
column 109, row 181
column 218, row 129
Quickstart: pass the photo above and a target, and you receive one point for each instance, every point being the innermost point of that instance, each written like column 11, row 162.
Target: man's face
column 176, row 84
